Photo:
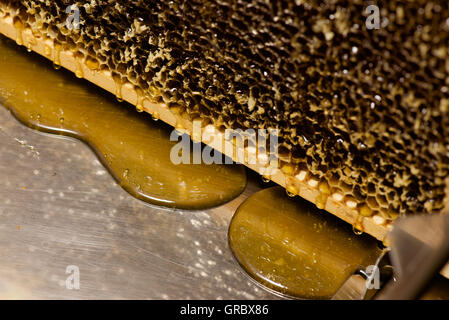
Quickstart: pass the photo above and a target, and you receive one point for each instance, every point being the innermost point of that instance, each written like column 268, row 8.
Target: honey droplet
column 19, row 30
column 118, row 87
column 292, row 191
column 290, row 194
column 79, row 73
column 140, row 100
column 57, row 56
column 79, row 66
column 357, row 227
column 356, row 230
column 321, row 200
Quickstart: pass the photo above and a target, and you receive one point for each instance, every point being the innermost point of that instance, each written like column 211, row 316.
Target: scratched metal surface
column 60, row 207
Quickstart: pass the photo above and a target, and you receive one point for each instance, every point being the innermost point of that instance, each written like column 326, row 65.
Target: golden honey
column 131, row 145
column 290, row 246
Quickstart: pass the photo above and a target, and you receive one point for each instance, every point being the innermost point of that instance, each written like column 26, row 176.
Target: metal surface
column 361, row 285
column 60, row 207
column 419, row 249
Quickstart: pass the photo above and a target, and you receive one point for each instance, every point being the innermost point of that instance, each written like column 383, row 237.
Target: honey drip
column 79, row 67
column 321, row 200
column 357, row 227
column 266, row 179
column 57, row 56
column 19, row 31
column 118, row 87
column 290, row 246
column 140, row 100
column 134, row 149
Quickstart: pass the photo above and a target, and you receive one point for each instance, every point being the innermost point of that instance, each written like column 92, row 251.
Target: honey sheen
column 290, row 246
column 134, row 148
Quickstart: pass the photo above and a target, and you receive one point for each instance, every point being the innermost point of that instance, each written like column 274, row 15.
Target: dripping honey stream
column 135, row 149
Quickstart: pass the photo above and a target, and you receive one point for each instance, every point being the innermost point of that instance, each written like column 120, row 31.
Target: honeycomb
column 363, row 112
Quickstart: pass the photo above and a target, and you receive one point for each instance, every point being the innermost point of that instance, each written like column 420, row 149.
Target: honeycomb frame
column 370, row 211
column 307, row 188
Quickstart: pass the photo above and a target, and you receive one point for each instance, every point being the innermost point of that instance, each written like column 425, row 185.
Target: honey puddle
column 292, row 247
column 135, row 149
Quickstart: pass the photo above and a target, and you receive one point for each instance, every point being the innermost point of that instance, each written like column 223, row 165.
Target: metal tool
column 419, row 248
